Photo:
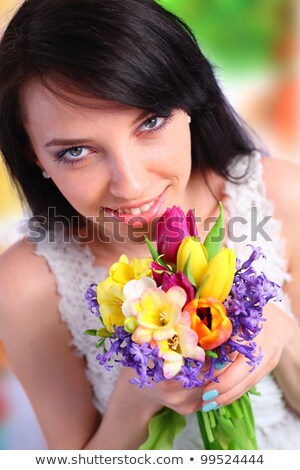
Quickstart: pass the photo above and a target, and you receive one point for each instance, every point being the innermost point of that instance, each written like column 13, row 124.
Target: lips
column 144, row 213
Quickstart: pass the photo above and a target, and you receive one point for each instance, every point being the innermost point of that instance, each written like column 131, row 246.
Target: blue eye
column 153, row 122
column 72, row 155
column 76, row 152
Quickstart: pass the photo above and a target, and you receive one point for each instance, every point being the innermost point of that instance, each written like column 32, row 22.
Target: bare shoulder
column 37, row 343
column 21, row 267
column 25, row 279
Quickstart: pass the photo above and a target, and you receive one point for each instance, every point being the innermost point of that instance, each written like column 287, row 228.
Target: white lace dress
column 74, row 269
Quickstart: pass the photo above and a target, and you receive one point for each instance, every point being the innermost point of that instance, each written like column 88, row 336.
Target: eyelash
column 60, row 156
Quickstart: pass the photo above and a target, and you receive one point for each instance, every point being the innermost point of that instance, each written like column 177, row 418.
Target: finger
column 228, row 395
column 230, row 376
column 220, row 368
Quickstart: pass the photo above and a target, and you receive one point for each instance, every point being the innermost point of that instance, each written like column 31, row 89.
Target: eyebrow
column 58, row 142
column 65, row 142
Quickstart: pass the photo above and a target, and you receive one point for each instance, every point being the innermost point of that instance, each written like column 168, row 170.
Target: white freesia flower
column 133, row 290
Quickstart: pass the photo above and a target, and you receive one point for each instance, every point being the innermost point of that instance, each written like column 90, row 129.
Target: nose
column 128, row 175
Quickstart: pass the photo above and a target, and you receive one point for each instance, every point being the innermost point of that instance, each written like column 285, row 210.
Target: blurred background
column 254, row 47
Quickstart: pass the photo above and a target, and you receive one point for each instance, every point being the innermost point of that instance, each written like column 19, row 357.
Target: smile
column 146, row 212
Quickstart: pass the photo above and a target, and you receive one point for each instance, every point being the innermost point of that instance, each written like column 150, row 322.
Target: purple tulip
column 191, row 224
column 179, row 279
column 172, row 228
column 157, row 273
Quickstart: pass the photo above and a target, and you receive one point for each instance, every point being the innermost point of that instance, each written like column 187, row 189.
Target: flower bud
column 219, row 274
column 172, row 228
column 190, row 247
column 130, row 324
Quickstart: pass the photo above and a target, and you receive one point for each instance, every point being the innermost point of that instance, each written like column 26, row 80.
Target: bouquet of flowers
column 180, row 314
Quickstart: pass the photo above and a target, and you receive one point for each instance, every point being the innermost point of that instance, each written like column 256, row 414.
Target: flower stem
column 210, row 436
column 230, row 427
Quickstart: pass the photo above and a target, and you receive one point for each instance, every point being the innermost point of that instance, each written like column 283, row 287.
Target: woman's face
column 115, row 161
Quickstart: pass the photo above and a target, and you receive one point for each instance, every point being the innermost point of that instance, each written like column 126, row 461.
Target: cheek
column 181, row 160
column 83, row 194
column 174, row 156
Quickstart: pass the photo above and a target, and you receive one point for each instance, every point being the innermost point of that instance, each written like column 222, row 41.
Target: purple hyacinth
column 249, row 294
column 189, row 374
column 135, row 356
column 122, row 349
column 91, row 298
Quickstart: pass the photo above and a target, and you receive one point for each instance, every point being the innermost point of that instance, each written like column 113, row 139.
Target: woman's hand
column 277, row 333
column 125, row 422
column 169, row 393
column 128, row 401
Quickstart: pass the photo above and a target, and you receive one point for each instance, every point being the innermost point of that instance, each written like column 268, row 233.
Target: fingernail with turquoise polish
column 219, row 365
column 210, row 395
column 212, row 405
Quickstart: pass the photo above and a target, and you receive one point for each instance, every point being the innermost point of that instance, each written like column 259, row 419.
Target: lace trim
column 72, row 269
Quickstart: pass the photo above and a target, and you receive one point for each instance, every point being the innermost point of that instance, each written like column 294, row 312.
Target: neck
column 204, row 194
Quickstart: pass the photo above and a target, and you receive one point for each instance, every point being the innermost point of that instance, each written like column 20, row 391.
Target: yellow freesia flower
column 219, row 275
column 110, row 292
column 183, row 344
column 198, row 258
column 157, row 312
column 122, row 271
column 110, row 298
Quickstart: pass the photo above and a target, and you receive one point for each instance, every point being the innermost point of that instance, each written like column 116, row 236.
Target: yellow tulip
column 198, row 258
column 219, row 274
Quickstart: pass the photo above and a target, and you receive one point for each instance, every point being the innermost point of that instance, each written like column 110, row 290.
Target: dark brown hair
column 133, row 52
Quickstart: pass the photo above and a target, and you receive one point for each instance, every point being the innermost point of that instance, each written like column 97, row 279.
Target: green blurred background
column 241, row 36
column 253, row 46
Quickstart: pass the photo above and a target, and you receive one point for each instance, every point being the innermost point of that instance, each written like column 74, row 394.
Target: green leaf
column 211, row 354
column 100, row 343
column 163, row 428
column 214, row 238
column 254, row 391
column 91, row 332
column 187, row 271
column 155, row 255
column 199, row 291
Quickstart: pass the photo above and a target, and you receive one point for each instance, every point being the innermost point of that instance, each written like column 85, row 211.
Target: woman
column 107, row 112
